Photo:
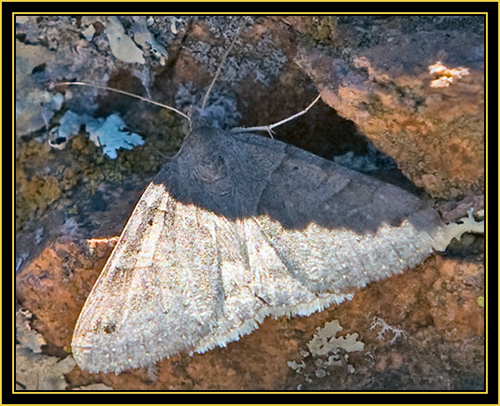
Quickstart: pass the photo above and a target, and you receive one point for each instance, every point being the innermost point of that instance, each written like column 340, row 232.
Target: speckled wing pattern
column 235, row 228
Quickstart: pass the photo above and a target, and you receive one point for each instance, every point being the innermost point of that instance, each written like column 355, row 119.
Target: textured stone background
column 373, row 74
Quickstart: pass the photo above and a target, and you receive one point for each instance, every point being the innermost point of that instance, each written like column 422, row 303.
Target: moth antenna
column 269, row 128
column 111, row 89
column 205, row 98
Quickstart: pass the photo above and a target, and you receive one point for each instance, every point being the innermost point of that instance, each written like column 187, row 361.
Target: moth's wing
column 245, row 175
column 334, row 228
column 342, row 260
column 159, row 292
column 279, row 271
column 256, row 283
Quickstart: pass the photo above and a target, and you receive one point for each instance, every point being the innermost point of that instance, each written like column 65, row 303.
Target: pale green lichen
column 122, row 46
column 456, row 230
column 386, row 328
column 481, row 301
column 325, row 343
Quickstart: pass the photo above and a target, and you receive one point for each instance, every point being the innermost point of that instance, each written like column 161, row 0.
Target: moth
column 237, row 227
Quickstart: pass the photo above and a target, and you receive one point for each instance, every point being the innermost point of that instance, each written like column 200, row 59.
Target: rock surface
column 414, row 85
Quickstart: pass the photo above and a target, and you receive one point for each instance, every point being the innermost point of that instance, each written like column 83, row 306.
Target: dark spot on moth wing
column 109, row 328
column 244, row 175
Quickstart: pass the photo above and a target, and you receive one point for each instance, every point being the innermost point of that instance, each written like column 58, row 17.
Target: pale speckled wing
column 193, row 281
column 257, row 283
column 289, row 272
column 159, row 292
column 340, row 260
